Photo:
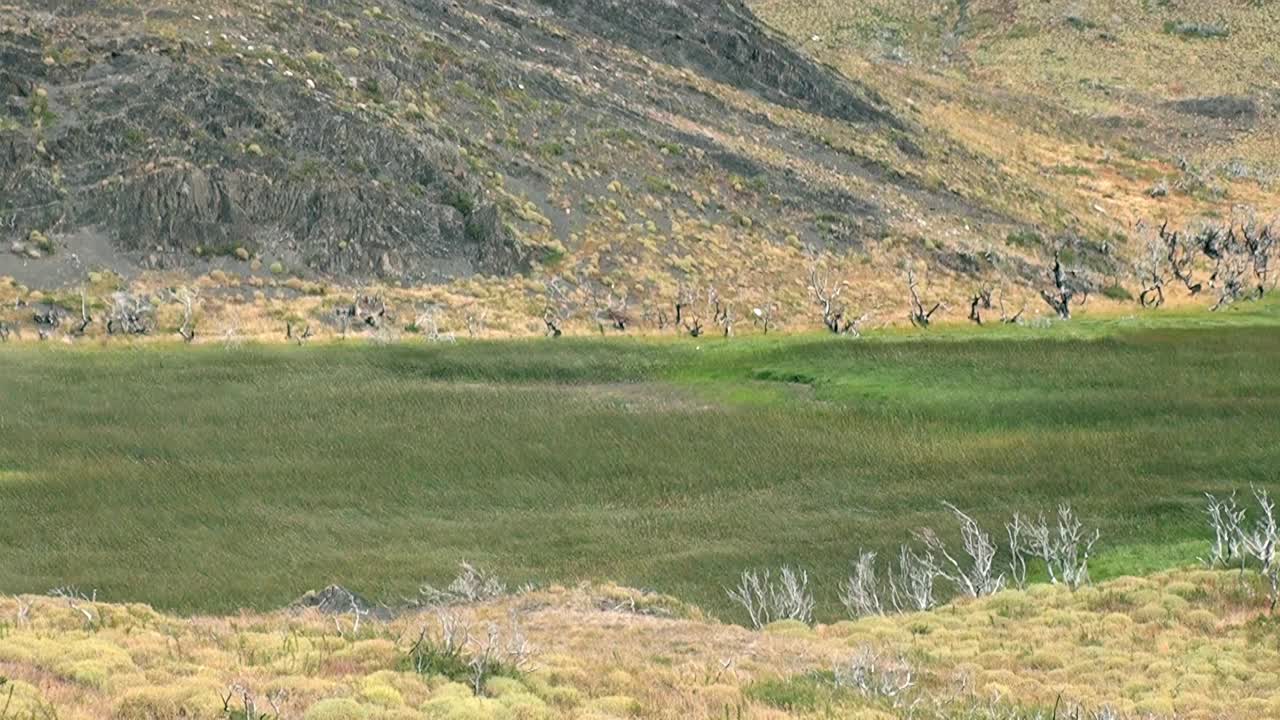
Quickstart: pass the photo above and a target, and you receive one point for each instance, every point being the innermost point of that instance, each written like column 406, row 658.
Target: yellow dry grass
column 1190, row 644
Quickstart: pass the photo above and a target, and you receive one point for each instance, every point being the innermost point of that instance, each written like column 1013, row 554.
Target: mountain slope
column 627, row 147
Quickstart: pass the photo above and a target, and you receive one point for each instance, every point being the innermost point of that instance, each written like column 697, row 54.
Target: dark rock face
column 1223, row 107
column 723, row 39
column 333, row 600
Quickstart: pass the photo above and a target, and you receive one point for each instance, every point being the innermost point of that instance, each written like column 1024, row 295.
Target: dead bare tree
column 1229, row 279
column 1226, row 518
column 1231, row 262
column 767, row 598
column 555, row 324
column 656, row 316
column 688, row 314
column 1019, row 549
column 911, row 584
column 233, row 333
column 609, row 311
column 727, row 320
column 693, row 326
column 826, row 293
column 980, row 300
column 293, row 333
column 1064, row 293
column 277, row 698
column 428, row 323
column 129, row 315
column 860, row 593
column 471, row 585
column 76, row 600
column 345, row 315
column 557, row 308
column 85, row 319
column 684, row 298
column 187, row 298
column 975, row 576
column 476, row 321
column 1259, row 243
column 721, row 311
column 1150, row 271
column 763, row 316
column 1233, row 541
column 1065, row 549
column 1180, row 253
column 47, row 321
column 372, row 310
column 366, row 310
column 887, row 679
column 1005, row 317
column 919, row 317
column 1261, row 543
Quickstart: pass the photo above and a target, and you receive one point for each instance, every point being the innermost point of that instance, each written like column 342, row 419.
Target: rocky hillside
column 631, row 146
column 408, row 140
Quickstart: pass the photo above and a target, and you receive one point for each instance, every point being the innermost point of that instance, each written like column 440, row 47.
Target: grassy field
column 206, row 479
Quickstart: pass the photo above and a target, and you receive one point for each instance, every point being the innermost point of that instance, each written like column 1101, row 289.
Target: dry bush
column 472, row 584
column 768, row 598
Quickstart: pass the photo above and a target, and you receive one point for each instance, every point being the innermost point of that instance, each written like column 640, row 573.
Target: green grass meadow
column 207, row 480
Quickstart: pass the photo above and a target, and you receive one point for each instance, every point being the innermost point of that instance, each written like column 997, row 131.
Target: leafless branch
column 975, row 575
column 187, row 297
column 876, row 676
column 472, row 584
column 911, row 585
column 85, row 319
column 919, row 317
column 764, row 316
column 767, row 599
column 1065, row 549
column 1226, row 518
column 1260, row 542
column 860, row 594
column 1063, row 294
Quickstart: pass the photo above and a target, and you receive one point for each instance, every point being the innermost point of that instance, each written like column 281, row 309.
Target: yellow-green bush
column 186, row 700
column 336, row 709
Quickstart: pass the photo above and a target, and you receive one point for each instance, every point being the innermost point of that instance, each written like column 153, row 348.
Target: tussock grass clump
column 1208, row 654
column 1196, row 30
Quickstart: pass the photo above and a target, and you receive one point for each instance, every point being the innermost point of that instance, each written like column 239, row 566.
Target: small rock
column 334, row 599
